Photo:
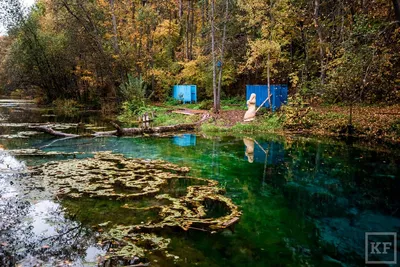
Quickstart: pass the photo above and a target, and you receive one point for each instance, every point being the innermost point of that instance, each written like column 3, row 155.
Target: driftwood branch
column 46, row 129
column 49, row 130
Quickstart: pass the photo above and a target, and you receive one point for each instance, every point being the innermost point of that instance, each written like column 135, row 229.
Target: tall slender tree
column 214, row 58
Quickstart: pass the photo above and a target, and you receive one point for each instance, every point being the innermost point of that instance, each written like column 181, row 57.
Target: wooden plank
column 183, row 112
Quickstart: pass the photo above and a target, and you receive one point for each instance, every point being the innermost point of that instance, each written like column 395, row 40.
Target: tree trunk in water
column 49, row 130
column 216, row 100
column 155, row 130
column 320, row 39
column 45, row 129
column 396, row 6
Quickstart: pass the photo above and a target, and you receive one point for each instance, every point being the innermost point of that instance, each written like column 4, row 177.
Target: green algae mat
column 155, row 195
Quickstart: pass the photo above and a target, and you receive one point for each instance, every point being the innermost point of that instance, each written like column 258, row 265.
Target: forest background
column 103, row 52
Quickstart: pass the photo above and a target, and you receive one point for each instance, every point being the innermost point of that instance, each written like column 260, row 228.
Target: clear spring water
column 305, row 201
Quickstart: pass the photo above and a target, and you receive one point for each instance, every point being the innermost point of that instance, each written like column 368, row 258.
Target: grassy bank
column 372, row 122
column 163, row 116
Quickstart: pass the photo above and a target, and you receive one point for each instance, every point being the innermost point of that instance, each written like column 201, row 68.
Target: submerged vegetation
column 157, row 194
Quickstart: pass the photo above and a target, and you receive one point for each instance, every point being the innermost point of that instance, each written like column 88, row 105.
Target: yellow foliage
column 167, row 29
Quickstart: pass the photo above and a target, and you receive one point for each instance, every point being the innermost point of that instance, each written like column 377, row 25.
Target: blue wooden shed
column 279, row 94
column 185, row 93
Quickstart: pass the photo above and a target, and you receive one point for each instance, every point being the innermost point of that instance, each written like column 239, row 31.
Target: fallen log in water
column 160, row 129
column 46, row 129
column 152, row 130
column 126, row 131
column 104, row 134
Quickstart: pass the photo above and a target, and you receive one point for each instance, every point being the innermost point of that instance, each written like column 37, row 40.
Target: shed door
column 193, row 91
column 187, row 93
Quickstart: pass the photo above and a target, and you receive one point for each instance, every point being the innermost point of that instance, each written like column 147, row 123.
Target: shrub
column 395, row 127
column 206, row 104
column 17, row 94
column 133, row 91
column 66, row 106
column 173, row 102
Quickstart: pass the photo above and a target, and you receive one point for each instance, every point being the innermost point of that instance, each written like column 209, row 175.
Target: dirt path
column 229, row 118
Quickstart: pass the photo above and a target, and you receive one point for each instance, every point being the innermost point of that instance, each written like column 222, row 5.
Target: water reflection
column 184, row 140
column 249, row 153
column 36, row 231
column 319, row 195
column 264, row 152
column 304, row 201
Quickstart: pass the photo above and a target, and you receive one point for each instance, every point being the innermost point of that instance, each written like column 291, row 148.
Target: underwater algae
column 176, row 200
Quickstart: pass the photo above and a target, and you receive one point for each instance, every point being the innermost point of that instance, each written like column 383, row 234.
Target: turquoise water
column 305, row 201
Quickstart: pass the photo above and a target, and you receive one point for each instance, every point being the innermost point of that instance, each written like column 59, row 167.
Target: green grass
column 233, row 107
column 163, row 116
column 267, row 123
column 163, row 119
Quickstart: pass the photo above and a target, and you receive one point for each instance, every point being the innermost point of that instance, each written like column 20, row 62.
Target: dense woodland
column 127, row 50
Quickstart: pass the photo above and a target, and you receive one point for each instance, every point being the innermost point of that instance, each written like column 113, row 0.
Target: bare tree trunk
column 180, row 9
column 304, row 72
column 187, row 32
column 222, row 52
column 269, row 79
column 212, row 18
column 320, row 39
column 192, row 30
column 396, row 6
column 115, row 32
column 203, row 18
column 269, row 57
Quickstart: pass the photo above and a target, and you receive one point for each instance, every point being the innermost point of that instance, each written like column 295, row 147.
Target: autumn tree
column 340, row 51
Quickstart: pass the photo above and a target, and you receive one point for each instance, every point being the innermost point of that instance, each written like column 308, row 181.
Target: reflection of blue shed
column 185, row 93
column 276, row 153
column 184, row 140
column 279, row 94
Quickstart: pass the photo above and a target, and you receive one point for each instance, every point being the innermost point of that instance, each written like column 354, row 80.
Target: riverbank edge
column 288, row 135
column 371, row 124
